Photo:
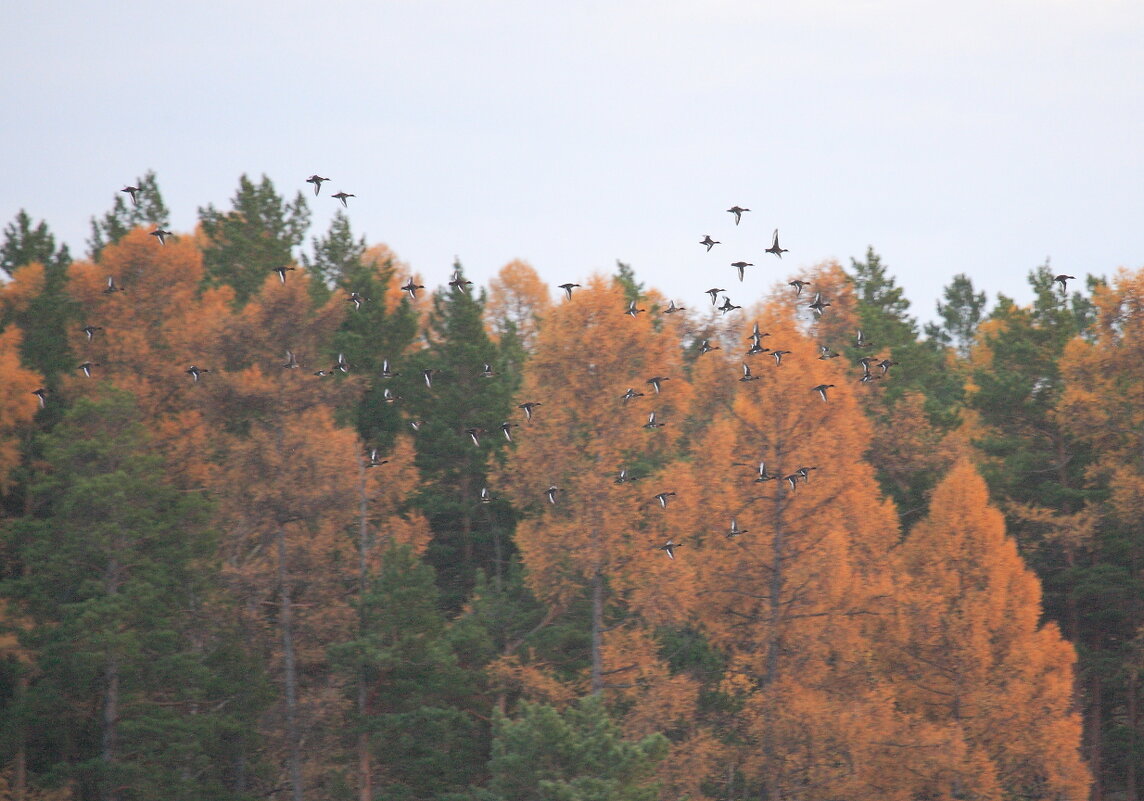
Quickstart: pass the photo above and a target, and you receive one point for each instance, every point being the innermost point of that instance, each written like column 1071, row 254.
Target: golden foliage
column 17, row 403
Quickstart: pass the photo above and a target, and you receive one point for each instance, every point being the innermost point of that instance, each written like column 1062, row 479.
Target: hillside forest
column 291, row 519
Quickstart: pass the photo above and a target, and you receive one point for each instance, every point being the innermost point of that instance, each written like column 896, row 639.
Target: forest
column 295, row 520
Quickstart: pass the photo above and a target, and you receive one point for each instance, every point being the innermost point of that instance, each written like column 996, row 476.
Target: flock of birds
column 873, row 368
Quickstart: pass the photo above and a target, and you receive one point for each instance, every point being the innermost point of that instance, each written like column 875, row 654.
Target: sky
column 971, row 137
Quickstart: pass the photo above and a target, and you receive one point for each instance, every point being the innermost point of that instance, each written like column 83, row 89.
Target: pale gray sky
column 975, row 137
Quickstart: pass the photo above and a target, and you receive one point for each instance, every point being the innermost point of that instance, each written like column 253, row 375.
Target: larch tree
column 18, row 406
column 974, row 656
column 517, row 300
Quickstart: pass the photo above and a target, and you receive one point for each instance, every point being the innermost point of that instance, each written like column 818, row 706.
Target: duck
column 741, row 266
column 774, row 248
column 804, row 473
column 714, row 293
column 866, row 361
column 869, row 378
column 111, row 287
column 551, row 492
column 291, row 361
column 706, row 347
column 475, row 435
column 709, row 242
column 341, row 364
column 86, row 367
column 821, row 390
column 416, row 424
column 343, row 196
column 633, row 311
column 668, row 548
column 427, row 376
column 387, row 371
column 656, row 382
column 860, row 340
column 91, row 331
column 317, row 181
column 194, row 372
column 506, row 429
column 651, row 423
column 798, row 285
column 568, row 290
column 756, row 349
column 388, row 396
column 356, row 299
column 622, row 478
column 728, row 305
column 747, row 374
column 161, row 234
column 528, row 408
column 738, row 211
column 735, row 531
column 486, row 496
column 826, row 353
column 662, row 498
column 131, row 191
column 282, row 272
column 792, row 479
column 411, row 288
column 487, row 370
column 885, row 365
column 763, row 474
column 757, row 334
column 458, row 281
column 778, row 354
column 672, row 308
column 631, row 393
column 374, row 461
column 1063, row 280
column 818, row 304
column 41, row 394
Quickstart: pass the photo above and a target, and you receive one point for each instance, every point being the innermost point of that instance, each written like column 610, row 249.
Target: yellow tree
column 18, row 404
column 517, row 297
column 972, row 656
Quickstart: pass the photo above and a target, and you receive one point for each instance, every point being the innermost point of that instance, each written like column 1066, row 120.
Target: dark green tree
column 626, row 276
column 46, row 317
column 147, row 210
column 577, row 755
column 960, row 314
column 130, row 694
column 258, row 235
column 337, row 259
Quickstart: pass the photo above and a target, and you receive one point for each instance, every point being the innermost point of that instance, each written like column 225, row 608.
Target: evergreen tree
column 256, row 237
column 24, row 244
column 115, row 569
column 337, row 259
column 146, row 210
column 960, row 314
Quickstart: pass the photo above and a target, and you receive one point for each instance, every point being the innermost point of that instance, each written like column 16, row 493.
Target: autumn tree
column 975, row 657
column 143, row 208
column 17, row 403
column 517, row 300
column 258, row 235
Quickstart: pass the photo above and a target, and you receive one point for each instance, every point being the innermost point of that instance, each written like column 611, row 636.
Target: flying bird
column 668, row 548
column 728, row 305
column 866, row 361
column 798, row 285
column 714, row 293
column 656, row 382
column 486, row 496
column 747, row 374
column 91, row 331
column 672, row 308
column 741, row 266
column 356, row 299
column 821, row 390
column 885, row 365
column 427, row 376
column 131, row 191
column 633, row 311
column 343, row 196
column 86, row 367
column 487, row 370
column 282, row 272
column 388, row 396
column 778, row 354
column 631, row 393
column 506, row 429
column 316, row 180
column 475, row 435
column 291, row 361
column 709, row 242
column 458, row 281
column 1063, row 280
column 818, row 304
column 194, row 372
column 161, row 234
column 827, row 353
column 374, row 461
column 111, row 287
column 860, row 341
column 738, row 212
column 774, row 248
column 40, row 394
column 763, row 474
column 662, row 498
column 341, row 364
column 411, row 289
column 568, row 290
column 706, row 347
column 528, row 408
column 735, row 531
column 387, row 371
column 651, row 423
column 550, row 493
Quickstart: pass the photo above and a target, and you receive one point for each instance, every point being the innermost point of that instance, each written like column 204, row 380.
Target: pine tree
column 960, row 314
column 146, row 210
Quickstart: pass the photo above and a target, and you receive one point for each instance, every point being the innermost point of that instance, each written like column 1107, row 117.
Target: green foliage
column 960, row 315
column 256, row 237
column 626, row 277
column 337, row 259
column 577, row 755
column 148, row 211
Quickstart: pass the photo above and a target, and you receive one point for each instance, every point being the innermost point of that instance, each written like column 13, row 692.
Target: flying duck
column 341, row 364
column 747, row 374
column 475, row 435
column 798, row 285
column 656, row 382
column 778, row 354
column 550, row 493
column 706, row 347
column 735, row 531
column 91, row 331
column 356, row 300
column 728, row 305
column 774, row 248
column 194, row 372
column 741, row 266
column 633, row 311
column 316, row 180
column 668, row 548
column 651, row 423
column 131, row 191
column 282, row 272
column 387, row 371
column 631, row 393
column 86, row 367
column 714, row 293
column 374, row 461
column 568, row 290
column 709, row 242
column 662, row 498
column 291, row 361
column 40, row 394
column 506, row 429
column 343, row 196
column 161, row 235
column 738, row 212
column 528, row 407
column 459, row 281
column 672, row 308
column 427, row 376
column 111, row 287
column 818, row 304
column 1063, row 280
column 411, row 289
column 821, row 390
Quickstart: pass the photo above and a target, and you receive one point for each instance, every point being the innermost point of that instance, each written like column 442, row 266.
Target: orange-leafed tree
column 17, row 403
column 973, row 656
column 518, row 298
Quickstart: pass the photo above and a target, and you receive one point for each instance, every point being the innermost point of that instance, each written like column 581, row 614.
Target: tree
column 577, row 755
column 960, row 314
column 975, row 657
column 24, row 244
column 253, row 239
column 18, row 406
column 145, row 209
column 518, row 299
column 125, row 698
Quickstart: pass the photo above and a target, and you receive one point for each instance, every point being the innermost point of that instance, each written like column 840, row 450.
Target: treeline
column 281, row 525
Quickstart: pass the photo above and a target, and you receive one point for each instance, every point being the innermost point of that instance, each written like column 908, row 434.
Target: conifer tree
column 146, row 210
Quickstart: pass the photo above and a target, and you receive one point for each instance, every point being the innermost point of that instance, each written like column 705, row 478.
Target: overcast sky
column 975, row 137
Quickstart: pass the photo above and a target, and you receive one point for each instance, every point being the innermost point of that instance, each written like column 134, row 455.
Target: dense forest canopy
column 308, row 524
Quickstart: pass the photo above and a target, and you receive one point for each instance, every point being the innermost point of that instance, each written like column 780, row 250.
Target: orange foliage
column 517, row 295
column 17, row 403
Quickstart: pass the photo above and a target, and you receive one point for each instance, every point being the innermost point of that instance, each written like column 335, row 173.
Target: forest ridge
column 327, row 526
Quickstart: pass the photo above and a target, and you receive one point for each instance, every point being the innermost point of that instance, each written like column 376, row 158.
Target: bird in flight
column 343, row 196
column 798, row 285
column 568, row 290
column 458, row 281
column 387, row 371
column 818, row 304
column 668, row 548
column 778, row 354
column 774, row 248
column 111, row 287
column 91, row 331
column 41, row 394
column 282, row 272
column 662, row 498
column 131, row 192
column 291, row 361
column 728, row 305
column 738, row 212
column 651, row 423
column 633, row 311
column 356, row 300
column 194, row 372
column 411, row 288
column 161, row 234
column 316, row 180
column 1063, row 280
column 821, row 390
column 709, row 242
column 747, row 374
column 374, row 461
column 741, row 266
column 528, row 408
column 550, row 493
column 631, row 393
column 706, row 347
column 735, row 531
column 714, row 293
column 86, row 367
column 475, row 435
column 672, row 308
column 656, row 382
column 341, row 364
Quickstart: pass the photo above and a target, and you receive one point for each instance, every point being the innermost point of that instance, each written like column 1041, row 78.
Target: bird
column 821, row 390
column 622, row 478
column 316, row 180
column 1063, row 280
column 668, row 548
column 86, row 367
column 763, row 474
column 387, row 371
column 321, row 373
column 528, row 408
column 741, row 266
column 818, row 304
column 91, row 331
column 633, row 311
column 427, row 376
column 656, row 382
column 672, row 308
column 662, row 498
column 388, row 396
column 757, row 334
column 486, row 496
column 550, row 493
column 735, row 531
column 411, row 289
column 568, row 290
column 866, row 361
column 631, row 393
column 798, row 285
column 778, row 354
column 827, row 353
column 41, row 394
column 792, row 479
column 291, row 361
column 747, row 374
column 869, row 378
column 373, row 460
column 706, row 347
column 356, row 299
column 194, row 372
column 860, row 340
column 728, row 305
column 714, row 293
column 756, row 349
column 161, row 234
column 804, row 472
column 651, row 423
column 487, row 370
column 111, row 287
column 343, row 196
column 885, row 365
column 709, row 242
column 458, row 281
column 282, row 272
column 341, row 364
column 738, row 212
column 416, row 424
column 774, row 248
column 475, row 435
column 131, row 191
column 506, row 429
